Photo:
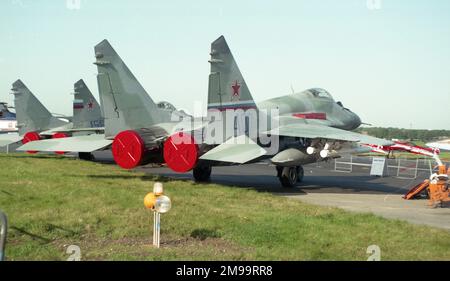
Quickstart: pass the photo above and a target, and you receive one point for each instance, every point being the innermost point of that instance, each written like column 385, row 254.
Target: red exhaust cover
column 128, row 149
column 59, row 136
column 31, row 136
column 181, row 152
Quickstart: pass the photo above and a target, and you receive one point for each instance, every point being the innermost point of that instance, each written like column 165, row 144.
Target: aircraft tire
column 202, row 173
column 300, row 173
column 86, row 156
column 289, row 176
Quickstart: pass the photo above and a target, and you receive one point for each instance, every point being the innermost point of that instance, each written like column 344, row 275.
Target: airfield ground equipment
column 437, row 186
column 159, row 204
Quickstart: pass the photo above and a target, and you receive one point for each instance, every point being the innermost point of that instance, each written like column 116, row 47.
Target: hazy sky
column 389, row 60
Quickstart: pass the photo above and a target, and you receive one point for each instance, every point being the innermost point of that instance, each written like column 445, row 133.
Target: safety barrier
column 344, row 164
column 402, row 168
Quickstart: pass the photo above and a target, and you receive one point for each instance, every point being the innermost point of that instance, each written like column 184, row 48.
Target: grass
column 53, row 202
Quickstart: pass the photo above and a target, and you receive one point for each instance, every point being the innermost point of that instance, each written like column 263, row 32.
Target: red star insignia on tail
column 235, row 88
column 90, row 105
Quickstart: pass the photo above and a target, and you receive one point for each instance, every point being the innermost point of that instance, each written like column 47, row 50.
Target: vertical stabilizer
column 31, row 115
column 86, row 110
column 227, row 88
column 126, row 105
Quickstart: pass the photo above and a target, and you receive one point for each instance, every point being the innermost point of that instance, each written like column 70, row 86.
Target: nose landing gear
column 290, row 176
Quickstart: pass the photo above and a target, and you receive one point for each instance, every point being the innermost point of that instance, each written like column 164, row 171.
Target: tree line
column 404, row 134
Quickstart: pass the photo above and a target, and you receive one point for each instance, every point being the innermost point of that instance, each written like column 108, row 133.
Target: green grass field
column 53, row 202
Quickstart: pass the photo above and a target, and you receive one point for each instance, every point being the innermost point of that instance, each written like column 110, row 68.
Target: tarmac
column 354, row 191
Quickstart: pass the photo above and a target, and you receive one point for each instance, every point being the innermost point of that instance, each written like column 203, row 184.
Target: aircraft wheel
column 300, row 173
column 289, row 176
column 87, row 156
column 279, row 171
column 202, row 173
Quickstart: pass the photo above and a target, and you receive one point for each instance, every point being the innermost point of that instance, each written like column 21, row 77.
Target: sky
column 386, row 60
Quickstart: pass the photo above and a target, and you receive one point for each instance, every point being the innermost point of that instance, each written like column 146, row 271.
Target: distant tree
column 404, row 134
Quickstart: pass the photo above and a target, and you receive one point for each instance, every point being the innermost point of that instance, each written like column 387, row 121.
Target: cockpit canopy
column 166, row 105
column 320, row 93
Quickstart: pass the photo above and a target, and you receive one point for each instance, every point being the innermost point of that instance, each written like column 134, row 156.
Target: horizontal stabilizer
column 88, row 143
column 325, row 132
column 239, row 149
column 7, row 139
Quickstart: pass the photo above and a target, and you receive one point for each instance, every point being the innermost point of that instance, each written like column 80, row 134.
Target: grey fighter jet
column 290, row 130
column 35, row 122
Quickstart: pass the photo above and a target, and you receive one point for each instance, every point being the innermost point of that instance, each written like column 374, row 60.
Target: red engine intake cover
column 31, row 136
column 59, row 136
column 128, row 149
column 181, row 152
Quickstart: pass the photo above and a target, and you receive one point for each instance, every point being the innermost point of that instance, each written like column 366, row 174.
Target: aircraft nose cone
column 357, row 122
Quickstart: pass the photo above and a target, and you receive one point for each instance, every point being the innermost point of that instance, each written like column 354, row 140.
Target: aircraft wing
column 6, row 139
column 239, row 149
column 87, row 143
column 324, row 132
column 58, row 129
column 68, row 128
column 93, row 129
column 440, row 145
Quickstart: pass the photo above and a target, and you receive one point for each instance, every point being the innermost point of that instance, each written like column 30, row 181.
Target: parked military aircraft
column 8, row 123
column 443, row 144
column 404, row 146
column 310, row 126
column 129, row 114
column 35, row 122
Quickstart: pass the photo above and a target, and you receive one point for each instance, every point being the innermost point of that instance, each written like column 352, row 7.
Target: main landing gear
column 290, row 176
column 202, row 173
column 87, row 156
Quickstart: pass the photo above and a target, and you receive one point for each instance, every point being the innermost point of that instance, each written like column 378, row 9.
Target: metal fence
column 404, row 168
column 344, row 164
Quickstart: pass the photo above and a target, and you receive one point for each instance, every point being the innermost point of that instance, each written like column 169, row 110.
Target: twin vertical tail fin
column 227, row 88
column 126, row 105
column 31, row 115
column 86, row 110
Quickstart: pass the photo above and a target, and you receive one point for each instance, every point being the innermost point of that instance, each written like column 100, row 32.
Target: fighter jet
column 35, row 122
column 130, row 115
column 309, row 126
column 8, row 123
